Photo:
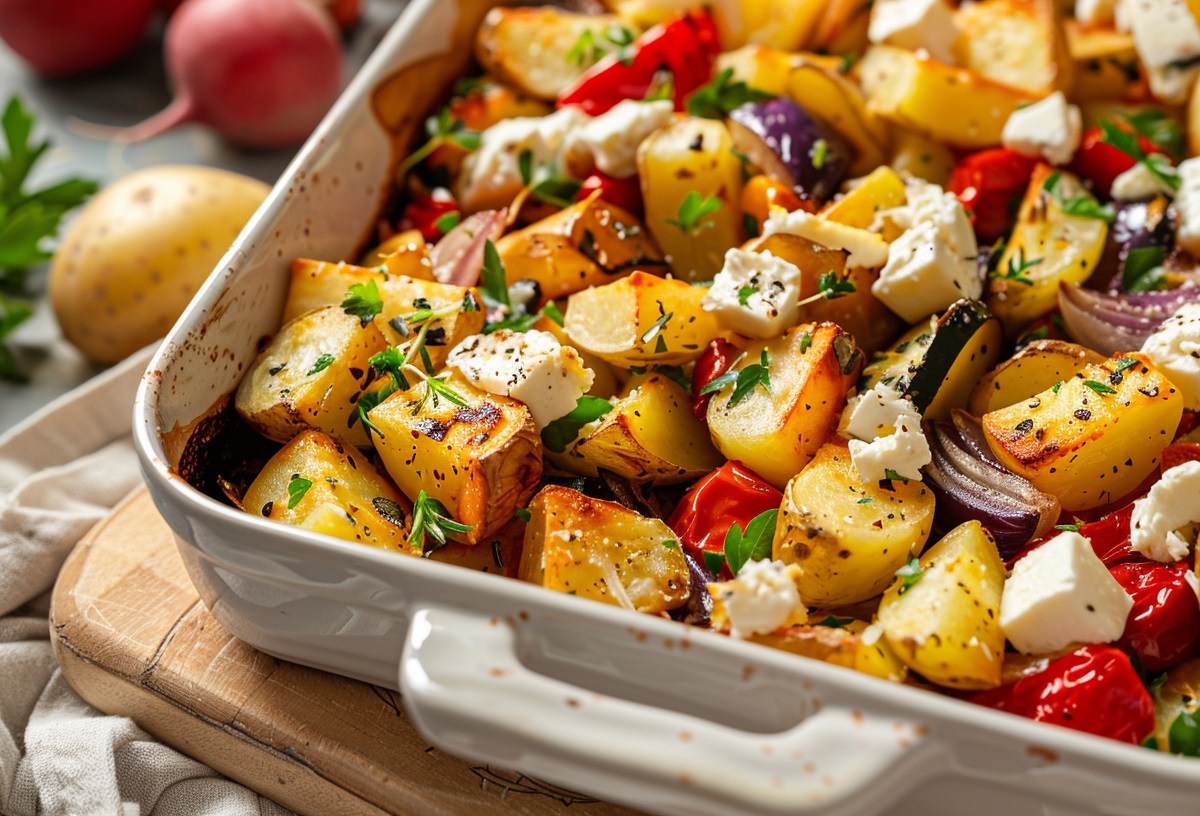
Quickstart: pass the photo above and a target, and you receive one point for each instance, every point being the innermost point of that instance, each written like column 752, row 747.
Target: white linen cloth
column 61, row 471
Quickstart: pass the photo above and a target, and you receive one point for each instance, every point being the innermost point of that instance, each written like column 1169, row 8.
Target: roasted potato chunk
column 311, row 376
column 320, row 484
column 848, row 536
column 797, row 397
column 1019, row 43
column 822, row 91
column 1092, row 438
column 651, row 436
column 481, row 460
column 604, row 551
column 1033, row 369
column 590, row 243
column 841, row 646
column 943, row 619
column 641, row 320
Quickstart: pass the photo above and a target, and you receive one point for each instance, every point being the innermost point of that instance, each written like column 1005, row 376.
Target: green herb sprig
column 432, row 524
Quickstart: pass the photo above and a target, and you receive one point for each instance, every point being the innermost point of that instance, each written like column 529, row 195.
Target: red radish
column 261, row 72
column 65, row 37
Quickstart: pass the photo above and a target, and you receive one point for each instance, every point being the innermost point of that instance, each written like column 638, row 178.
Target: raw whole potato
column 131, row 261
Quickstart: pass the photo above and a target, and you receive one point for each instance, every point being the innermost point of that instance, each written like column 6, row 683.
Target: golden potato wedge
column 534, row 49
column 943, row 619
column 651, row 435
column 1106, row 65
column 915, row 154
column 319, row 283
column 793, row 408
column 604, row 551
column 848, row 536
column 1033, row 369
column 882, row 189
column 641, row 320
column 784, row 24
column 843, row 645
column 822, row 91
column 1019, row 43
column 1092, row 438
column 843, row 28
column 951, row 105
column 405, row 253
column 1047, row 246
column 481, row 460
column 590, row 243
column 499, row 556
column 871, row 323
column 759, row 66
column 692, row 156
column 320, row 484
column 311, row 375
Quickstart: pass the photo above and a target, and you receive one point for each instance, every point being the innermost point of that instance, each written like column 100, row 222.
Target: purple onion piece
column 970, row 434
column 457, row 258
column 1112, row 323
column 792, row 146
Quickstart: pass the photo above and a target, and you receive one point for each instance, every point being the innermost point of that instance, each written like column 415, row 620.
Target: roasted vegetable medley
column 865, row 331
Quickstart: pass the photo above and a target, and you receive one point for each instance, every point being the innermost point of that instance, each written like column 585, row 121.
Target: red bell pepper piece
column 1163, row 627
column 625, row 193
column 730, row 493
column 1177, row 453
column 1109, row 537
column 1094, row 689
column 990, row 184
column 714, row 362
column 424, row 210
column 1100, row 163
column 687, row 47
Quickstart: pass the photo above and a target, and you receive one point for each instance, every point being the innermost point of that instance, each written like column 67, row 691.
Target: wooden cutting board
column 134, row 639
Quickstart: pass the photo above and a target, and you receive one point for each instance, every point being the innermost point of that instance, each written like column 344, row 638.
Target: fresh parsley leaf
column 1184, row 735
column 1142, row 270
column 714, row 561
column 494, row 283
column 585, row 51
column 363, row 301
column 744, row 294
column 670, row 544
column 752, row 545
column 819, row 153
column 523, row 514
column 1127, row 142
column 911, row 573
column 835, row 622
column 296, row 489
column 1054, row 388
column 805, row 341
column 848, row 62
column 1099, row 387
column 1084, row 206
column 390, row 361
column 866, row 500
column 442, row 129
column 545, row 183
column 1068, row 528
column 1159, row 128
column 743, row 380
column 693, row 213
column 834, row 286
column 431, row 520
column 448, row 221
column 721, row 96
column 323, row 362
column 436, row 389
column 1050, row 185
column 552, row 311
column 562, row 431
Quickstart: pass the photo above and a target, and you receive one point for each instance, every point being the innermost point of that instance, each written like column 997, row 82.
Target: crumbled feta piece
column 885, row 434
column 1175, row 348
column 609, row 142
column 1050, row 129
column 1095, row 13
column 1059, row 594
column 915, row 25
column 866, row 248
column 531, row 366
column 1164, row 521
column 755, row 293
column 1121, row 12
column 491, row 175
column 1138, row 183
column 1187, row 205
column 878, row 412
column 1167, row 39
column 934, row 263
column 762, row 598
column 904, row 452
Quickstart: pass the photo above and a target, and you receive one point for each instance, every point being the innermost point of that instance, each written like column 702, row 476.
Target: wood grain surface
column 134, row 639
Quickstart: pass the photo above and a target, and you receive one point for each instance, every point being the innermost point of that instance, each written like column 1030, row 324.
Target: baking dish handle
column 469, row 694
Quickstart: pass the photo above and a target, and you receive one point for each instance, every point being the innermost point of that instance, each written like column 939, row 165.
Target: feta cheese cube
column 755, row 293
column 1175, row 348
column 1059, row 594
column 878, row 412
column 531, row 366
column 1167, row 39
column 1138, row 183
column 1164, row 521
column 1187, row 205
column 1051, row 129
column 885, row 432
column 915, row 25
column 491, row 175
column 609, row 142
column 904, row 452
column 866, row 248
column 762, row 598
column 934, row 263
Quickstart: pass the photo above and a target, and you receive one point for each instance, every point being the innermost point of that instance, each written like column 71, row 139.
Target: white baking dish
column 628, row 708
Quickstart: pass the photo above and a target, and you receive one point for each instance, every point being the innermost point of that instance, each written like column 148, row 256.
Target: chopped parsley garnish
column 831, row 286
column 1099, row 387
column 1068, row 528
column 805, row 341
column 744, row 294
column 835, row 622
column 1142, row 270
column 656, row 328
column 562, row 431
column 493, row 281
column 693, row 213
column 911, row 573
column 744, row 380
column 441, row 129
column 1017, row 267
column 552, row 311
column 722, row 95
column 323, row 362
column 448, row 221
column 431, row 520
column 363, row 301
column 296, row 489
column 754, row 544
column 1159, row 165
column 523, row 514
column 819, row 153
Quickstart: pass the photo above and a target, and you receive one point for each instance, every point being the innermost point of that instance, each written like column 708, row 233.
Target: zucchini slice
column 937, row 365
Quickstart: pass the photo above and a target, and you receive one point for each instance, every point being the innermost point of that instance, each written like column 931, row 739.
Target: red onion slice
column 1112, row 323
column 458, row 257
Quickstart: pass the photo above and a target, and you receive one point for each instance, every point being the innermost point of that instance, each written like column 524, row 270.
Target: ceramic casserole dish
column 637, row 710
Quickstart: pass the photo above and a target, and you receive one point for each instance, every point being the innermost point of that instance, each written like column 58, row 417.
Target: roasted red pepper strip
column 1100, row 163
column 1094, row 689
column 1109, row 537
column 714, row 362
column 423, row 212
column 687, row 47
column 990, row 184
column 1163, row 627
column 730, row 493
column 1177, row 453
column 625, row 193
